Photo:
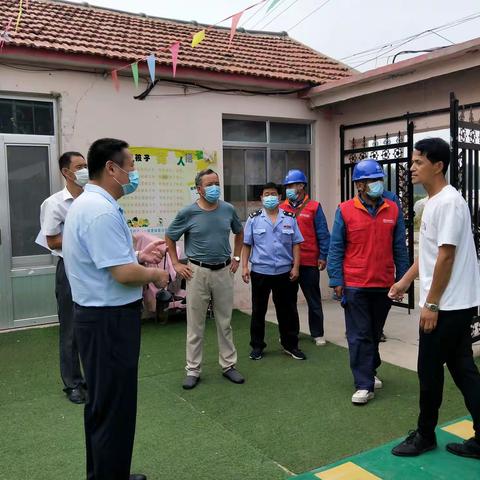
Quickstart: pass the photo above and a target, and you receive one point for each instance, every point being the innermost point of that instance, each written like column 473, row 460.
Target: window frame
column 268, row 146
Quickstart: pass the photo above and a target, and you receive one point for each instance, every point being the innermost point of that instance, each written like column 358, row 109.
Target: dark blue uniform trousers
column 365, row 313
column 108, row 339
column 309, row 282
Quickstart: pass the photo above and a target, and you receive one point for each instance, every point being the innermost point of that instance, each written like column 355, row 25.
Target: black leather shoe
column 137, row 476
column 233, row 375
column 415, row 444
column 190, row 382
column 469, row 448
column 76, row 395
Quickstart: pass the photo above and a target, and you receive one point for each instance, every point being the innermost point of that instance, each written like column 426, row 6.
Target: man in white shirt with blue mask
column 53, row 212
column 106, row 277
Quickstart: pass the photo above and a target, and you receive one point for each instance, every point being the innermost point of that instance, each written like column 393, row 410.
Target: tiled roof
column 83, row 29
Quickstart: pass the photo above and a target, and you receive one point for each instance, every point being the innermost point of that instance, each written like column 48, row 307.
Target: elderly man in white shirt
column 53, row 212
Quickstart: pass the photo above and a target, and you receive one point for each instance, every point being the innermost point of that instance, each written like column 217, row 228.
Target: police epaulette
column 254, row 214
column 289, row 214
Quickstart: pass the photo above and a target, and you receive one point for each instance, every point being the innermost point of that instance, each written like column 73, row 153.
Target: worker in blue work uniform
column 367, row 253
column 272, row 244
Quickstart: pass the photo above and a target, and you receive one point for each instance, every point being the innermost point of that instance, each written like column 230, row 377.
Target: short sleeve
column 106, row 242
column 178, row 226
column 297, row 235
column 248, row 232
column 51, row 218
column 449, row 224
column 236, row 224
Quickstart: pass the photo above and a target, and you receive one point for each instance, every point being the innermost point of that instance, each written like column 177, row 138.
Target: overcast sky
column 339, row 28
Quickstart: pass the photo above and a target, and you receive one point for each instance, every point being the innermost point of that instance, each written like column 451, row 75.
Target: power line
column 445, row 26
column 274, row 18
column 309, row 15
column 268, row 13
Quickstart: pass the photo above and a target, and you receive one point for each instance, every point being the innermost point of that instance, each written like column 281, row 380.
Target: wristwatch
column 237, row 259
column 431, row 306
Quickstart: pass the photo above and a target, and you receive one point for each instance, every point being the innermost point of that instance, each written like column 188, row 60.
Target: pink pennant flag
column 116, row 83
column 5, row 35
column 235, row 20
column 175, row 48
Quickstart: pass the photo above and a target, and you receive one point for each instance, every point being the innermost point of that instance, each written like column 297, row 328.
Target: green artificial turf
column 289, row 416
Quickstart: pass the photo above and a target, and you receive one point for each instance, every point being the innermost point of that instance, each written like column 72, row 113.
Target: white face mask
column 81, row 177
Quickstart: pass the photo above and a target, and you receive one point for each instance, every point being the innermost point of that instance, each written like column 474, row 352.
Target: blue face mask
column 291, row 194
column 133, row 181
column 212, row 193
column 270, row 202
column 375, row 189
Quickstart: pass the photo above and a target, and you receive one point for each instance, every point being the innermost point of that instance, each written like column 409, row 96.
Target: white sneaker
column 378, row 383
column 360, row 397
column 320, row 341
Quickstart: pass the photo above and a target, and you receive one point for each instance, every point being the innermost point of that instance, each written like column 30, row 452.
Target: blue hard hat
column 368, row 168
column 295, row 176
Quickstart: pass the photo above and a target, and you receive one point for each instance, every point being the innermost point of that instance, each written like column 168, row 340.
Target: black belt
column 211, row 266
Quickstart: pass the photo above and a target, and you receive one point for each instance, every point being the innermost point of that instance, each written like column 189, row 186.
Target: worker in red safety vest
column 313, row 251
column 367, row 254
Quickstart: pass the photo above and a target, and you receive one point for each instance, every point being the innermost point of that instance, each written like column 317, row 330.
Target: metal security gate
column 465, row 168
column 464, row 163
column 392, row 148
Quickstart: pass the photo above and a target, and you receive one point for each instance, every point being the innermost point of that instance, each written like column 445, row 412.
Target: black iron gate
column 464, row 162
column 393, row 151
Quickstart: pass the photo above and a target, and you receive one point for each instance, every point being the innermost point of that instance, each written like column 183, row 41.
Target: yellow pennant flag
column 198, row 37
column 20, row 11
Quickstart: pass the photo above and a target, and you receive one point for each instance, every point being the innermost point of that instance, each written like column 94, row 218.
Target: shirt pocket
column 259, row 233
column 357, row 233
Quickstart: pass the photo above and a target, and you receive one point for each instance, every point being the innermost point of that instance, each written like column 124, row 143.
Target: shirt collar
column 298, row 203
column 66, row 194
column 89, row 187
column 370, row 207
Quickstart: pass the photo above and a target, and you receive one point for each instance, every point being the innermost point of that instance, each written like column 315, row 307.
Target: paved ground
column 401, row 329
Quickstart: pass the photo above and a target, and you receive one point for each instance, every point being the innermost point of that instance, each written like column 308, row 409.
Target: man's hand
column 428, row 320
column 294, row 274
column 183, row 270
column 234, row 265
column 338, row 291
column 246, row 275
column 162, row 278
column 322, row 264
column 398, row 290
column 152, row 253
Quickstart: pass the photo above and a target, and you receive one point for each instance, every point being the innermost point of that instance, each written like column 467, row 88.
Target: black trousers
column 109, row 343
column 285, row 300
column 309, row 282
column 449, row 343
column 69, row 360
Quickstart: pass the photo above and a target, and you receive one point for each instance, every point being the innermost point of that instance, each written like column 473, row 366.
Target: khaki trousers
column 217, row 284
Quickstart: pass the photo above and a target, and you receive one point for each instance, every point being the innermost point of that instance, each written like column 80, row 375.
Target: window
column 26, row 117
column 259, row 151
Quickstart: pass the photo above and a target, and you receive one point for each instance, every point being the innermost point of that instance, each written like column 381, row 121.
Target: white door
column 27, row 271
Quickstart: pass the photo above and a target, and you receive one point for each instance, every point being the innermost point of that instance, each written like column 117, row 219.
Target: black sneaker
column 415, row 444
column 256, row 354
column 76, row 395
column 469, row 448
column 295, row 353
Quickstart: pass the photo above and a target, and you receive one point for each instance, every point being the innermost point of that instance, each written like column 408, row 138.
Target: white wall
column 90, row 108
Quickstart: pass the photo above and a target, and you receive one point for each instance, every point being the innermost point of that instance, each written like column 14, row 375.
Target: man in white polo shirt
column 53, row 212
column 449, row 297
column 106, row 281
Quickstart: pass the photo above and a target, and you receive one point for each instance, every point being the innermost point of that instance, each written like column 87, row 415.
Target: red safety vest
column 368, row 260
column 309, row 251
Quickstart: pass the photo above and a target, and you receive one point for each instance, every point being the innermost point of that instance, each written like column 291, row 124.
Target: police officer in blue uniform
column 272, row 244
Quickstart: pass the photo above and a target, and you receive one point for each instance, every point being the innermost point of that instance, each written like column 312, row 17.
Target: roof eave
column 85, row 62
column 437, row 63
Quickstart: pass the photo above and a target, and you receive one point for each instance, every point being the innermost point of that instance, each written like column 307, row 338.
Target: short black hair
column 436, row 150
column 103, row 150
column 65, row 159
column 272, row 185
column 202, row 173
